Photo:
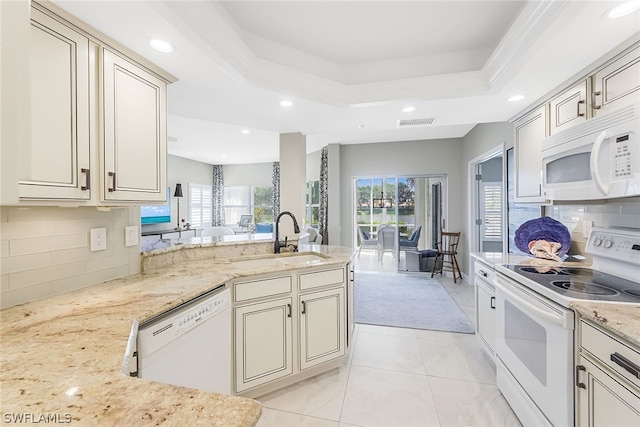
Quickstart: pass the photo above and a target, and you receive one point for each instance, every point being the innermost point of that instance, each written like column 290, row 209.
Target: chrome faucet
column 278, row 244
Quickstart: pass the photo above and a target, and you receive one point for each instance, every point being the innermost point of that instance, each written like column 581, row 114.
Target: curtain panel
column 324, row 196
column 218, row 196
column 275, row 183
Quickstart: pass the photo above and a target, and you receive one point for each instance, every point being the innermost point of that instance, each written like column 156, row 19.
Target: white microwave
column 598, row 159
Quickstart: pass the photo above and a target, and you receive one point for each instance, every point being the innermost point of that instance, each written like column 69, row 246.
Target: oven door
column 534, row 342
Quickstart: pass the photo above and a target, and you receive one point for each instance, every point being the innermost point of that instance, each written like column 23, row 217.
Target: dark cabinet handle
column 578, row 383
column 595, row 106
column 87, row 173
column 626, row 364
column 493, row 303
column 289, row 310
column 579, row 114
column 304, row 308
column 112, row 189
column 483, row 273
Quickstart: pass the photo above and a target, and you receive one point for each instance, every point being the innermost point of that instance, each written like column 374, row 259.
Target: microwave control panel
column 624, row 162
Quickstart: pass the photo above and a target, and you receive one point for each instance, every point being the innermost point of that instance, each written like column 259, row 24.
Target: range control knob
column 608, row 243
column 597, row 242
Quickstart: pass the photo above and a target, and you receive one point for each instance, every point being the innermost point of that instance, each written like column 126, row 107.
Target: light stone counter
column 62, row 357
column 621, row 319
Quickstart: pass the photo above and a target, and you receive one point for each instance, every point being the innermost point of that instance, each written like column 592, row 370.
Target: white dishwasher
column 189, row 345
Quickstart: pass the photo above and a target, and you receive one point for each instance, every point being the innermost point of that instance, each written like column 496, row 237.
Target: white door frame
column 473, row 202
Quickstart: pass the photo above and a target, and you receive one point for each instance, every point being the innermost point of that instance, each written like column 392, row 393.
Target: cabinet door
column 486, row 315
column 529, row 133
column 618, row 83
column 322, row 327
column 135, row 146
column 59, row 81
column 263, row 347
column 604, row 401
column 568, row 109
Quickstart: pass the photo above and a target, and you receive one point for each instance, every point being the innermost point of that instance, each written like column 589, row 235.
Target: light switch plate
column 131, row 235
column 98, row 239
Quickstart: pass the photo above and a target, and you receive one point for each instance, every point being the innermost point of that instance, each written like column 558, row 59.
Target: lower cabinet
column 287, row 327
column 263, row 343
column 607, row 379
column 485, row 306
column 322, row 327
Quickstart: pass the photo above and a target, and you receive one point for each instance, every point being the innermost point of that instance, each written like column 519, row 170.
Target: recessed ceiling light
column 409, row 109
column 623, row 9
column 286, row 103
column 515, row 98
column 245, row 131
column 161, row 46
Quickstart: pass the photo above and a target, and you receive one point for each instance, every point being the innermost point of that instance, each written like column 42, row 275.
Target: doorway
column 488, row 205
column 412, row 206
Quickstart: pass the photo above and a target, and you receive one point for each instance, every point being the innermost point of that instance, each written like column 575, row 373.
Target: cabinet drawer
column 605, row 347
column 321, row 278
column 485, row 272
column 249, row 290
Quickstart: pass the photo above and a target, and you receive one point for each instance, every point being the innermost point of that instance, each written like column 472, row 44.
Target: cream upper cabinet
column 322, row 327
column 617, row 83
column 135, row 149
column 60, row 145
column 568, row 109
column 530, row 130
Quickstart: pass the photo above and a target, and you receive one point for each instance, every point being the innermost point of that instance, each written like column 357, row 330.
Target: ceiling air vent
column 416, row 122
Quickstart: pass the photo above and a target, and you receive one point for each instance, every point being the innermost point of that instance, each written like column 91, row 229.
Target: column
column 293, row 178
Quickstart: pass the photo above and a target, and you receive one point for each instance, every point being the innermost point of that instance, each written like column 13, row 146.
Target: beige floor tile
column 389, row 352
column 320, row 396
column 463, row 403
column 460, row 357
column 386, row 330
column 383, row 398
column 275, row 418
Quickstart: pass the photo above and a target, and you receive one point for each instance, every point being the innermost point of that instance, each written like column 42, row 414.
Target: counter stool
column 446, row 251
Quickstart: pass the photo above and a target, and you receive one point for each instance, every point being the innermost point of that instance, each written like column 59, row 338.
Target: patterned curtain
column 324, row 196
column 218, row 196
column 275, row 196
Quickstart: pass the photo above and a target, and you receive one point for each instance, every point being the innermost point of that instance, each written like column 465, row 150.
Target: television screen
column 155, row 214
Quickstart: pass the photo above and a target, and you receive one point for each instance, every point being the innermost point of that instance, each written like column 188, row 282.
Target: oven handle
column 556, row 319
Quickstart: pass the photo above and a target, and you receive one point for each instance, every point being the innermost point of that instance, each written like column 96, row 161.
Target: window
column 248, row 200
column 200, row 205
column 312, row 214
column 491, row 195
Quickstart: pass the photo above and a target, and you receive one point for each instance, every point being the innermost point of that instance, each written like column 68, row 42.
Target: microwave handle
column 604, row 188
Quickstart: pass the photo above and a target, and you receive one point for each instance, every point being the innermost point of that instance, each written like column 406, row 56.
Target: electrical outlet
column 131, row 235
column 98, row 239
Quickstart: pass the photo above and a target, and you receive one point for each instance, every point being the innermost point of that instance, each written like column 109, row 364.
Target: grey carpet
column 407, row 301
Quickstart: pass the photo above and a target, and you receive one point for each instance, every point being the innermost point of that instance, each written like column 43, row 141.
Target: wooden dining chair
column 446, row 251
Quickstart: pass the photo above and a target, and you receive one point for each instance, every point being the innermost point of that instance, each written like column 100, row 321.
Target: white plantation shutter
column 200, row 205
column 491, row 196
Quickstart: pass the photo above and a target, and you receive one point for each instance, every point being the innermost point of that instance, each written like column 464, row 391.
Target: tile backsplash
column 613, row 213
column 45, row 251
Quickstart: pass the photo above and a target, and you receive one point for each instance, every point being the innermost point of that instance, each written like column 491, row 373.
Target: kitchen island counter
column 63, row 358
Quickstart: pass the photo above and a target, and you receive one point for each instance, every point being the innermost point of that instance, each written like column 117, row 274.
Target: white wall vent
column 415, row 122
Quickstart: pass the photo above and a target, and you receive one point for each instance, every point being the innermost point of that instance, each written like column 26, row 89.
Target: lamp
column 178, row 194
column 382, row 202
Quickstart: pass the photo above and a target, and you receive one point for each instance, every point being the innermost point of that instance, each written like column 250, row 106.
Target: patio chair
column 411, row 244
column 386, row 241
column 366, row 241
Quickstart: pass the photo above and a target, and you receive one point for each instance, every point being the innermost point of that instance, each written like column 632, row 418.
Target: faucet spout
column 278, row 244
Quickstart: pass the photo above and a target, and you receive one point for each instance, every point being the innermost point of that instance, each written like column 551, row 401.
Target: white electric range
column 535, row 324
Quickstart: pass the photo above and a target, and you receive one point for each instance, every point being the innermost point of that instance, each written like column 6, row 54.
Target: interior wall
column 45, row 251
column 184, row 171
column 407, row 158
column 255, row 174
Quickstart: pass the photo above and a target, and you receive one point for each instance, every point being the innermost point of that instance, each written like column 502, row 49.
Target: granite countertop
column 619, row 318
column 63, row 357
